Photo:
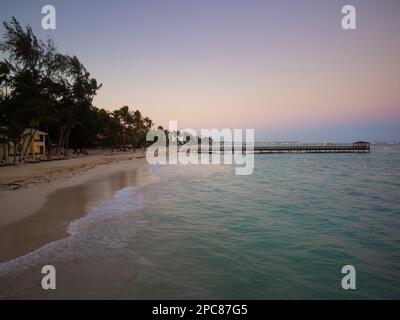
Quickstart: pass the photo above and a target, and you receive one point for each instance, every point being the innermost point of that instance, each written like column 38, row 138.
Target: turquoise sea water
column 283, row 232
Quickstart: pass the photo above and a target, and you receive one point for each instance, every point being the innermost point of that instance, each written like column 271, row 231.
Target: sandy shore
column 38, row 201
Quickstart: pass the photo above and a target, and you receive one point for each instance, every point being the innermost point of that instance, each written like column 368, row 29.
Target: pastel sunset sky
column 285, row 68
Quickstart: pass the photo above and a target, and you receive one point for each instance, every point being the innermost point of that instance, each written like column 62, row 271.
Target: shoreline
column 37, row 174
column 40, row 211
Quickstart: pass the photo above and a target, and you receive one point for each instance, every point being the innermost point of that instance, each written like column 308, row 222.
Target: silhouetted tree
column 42, row 89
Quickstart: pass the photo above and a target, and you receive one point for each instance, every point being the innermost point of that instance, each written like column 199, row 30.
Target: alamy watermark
column 210, row 146
column 349, row 20
column 49, row 18
column 349, row 280
column 49, row 280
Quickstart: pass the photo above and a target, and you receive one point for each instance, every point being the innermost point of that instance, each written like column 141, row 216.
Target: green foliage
column 43, row 89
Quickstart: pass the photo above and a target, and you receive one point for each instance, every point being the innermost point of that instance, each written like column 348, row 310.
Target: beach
column 40, row 200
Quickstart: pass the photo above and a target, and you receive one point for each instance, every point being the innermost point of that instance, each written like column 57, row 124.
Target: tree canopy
column 42, row 89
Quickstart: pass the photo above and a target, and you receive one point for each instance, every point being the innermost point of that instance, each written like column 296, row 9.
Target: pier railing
column 300, row 148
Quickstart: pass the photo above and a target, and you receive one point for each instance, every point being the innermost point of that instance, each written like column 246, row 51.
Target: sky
column 284, row 68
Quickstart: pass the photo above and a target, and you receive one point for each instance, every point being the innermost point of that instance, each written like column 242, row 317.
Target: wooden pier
column 357, row 147
column 314, row 149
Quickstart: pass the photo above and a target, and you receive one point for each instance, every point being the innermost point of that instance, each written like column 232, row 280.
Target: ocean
column 284, row 232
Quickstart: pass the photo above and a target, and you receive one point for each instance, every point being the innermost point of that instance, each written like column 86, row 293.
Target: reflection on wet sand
column 62, row 206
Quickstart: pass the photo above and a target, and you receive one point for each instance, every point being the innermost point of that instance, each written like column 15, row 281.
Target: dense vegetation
column 42, row 89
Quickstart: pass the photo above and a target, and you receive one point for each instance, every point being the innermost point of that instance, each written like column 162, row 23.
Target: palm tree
column 126, row 121
column 5, row 70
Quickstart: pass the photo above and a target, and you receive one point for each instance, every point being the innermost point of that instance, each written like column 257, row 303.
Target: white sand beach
column 39, row 201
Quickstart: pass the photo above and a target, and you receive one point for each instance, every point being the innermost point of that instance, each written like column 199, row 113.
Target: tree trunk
column 67, row 142
column 15, row 152
column 60, row 140
column 30, row 137
column 48, row 150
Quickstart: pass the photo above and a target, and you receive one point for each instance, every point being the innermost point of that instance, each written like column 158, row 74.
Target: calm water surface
column 282, row 233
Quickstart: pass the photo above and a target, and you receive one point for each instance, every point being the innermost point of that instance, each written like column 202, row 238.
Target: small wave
column 123, row 201
column 121, row 204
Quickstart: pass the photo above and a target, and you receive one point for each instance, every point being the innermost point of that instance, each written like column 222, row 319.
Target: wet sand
column 35, row 216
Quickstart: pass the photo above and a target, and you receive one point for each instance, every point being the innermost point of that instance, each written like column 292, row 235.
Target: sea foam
column 124, row 202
